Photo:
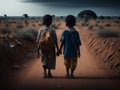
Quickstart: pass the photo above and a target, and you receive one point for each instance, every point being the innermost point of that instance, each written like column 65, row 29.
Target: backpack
column 46, row 41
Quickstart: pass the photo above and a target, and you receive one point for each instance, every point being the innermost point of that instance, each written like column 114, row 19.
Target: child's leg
column 73, row 67
column 44, row 68
column 44, row 73
column 67, row 70
column 67, row 65
column 49, row 73
column 49, row 70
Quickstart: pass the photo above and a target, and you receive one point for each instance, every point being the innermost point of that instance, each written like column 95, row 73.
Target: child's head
column 47, row 20
column 70, row 21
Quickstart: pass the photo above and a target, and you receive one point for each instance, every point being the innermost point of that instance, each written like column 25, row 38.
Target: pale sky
column 16, row 8
column 39, row 8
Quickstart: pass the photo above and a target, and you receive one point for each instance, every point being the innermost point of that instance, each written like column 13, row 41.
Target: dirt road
column 90, row 75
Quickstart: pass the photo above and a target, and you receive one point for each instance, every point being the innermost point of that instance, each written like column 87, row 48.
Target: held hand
column 58, row 53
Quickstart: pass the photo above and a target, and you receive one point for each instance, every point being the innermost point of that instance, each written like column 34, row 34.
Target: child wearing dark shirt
column 71, row 41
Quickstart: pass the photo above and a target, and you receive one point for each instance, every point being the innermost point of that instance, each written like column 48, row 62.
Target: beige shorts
column 70, row 63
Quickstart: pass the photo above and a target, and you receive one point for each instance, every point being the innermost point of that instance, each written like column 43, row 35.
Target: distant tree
column 119, row 18
column 5, row 15
column 61, row 17
column 53, row 16
column 26, row 18
column 87, row 14
column 108, row 17
column 101, row 17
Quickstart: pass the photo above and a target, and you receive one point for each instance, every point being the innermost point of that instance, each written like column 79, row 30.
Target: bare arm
column 60, row 51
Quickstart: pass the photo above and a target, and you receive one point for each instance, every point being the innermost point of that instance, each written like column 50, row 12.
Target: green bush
column 107, row 33
column 14, row 22
column 5, row 30
column 108, row 25
column 101, row 27
column 26, row 33
column 7, row 25
column 90, row 27
column 96, row 25
column 84, row 24
column 33, row 25
column 39, row 24
column 117, row 21
column 54, row 26
column 19, row 25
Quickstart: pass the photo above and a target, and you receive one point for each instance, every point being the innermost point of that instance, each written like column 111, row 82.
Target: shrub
column 108, row 25
column 98, row 21
column 14, row 22
column 96, row 24
column 5, row 30
column 37, row 21
column 27, row 23
column 101, row 27
column 90, row 27
column 84, row 24
column 19, row 25
column 26, row 33
column 7, row 25
column 101, row 17
column 54, row 26
column 107, row 33
column 117, row 22
column 33, row 25
column 33, row 21
column 39, row 24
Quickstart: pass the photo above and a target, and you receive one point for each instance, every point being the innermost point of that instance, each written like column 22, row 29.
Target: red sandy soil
column 90, row 74
column 105, row 50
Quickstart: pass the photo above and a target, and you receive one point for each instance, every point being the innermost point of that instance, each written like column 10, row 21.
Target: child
column 48, row 54
column 71, row 41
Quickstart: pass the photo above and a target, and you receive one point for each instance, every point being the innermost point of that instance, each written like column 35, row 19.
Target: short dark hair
column 70, row 20
column 47, row 20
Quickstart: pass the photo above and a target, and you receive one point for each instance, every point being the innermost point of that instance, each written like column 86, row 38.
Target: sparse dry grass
column 5, row 30
column 26, row 33
column 107, row 33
